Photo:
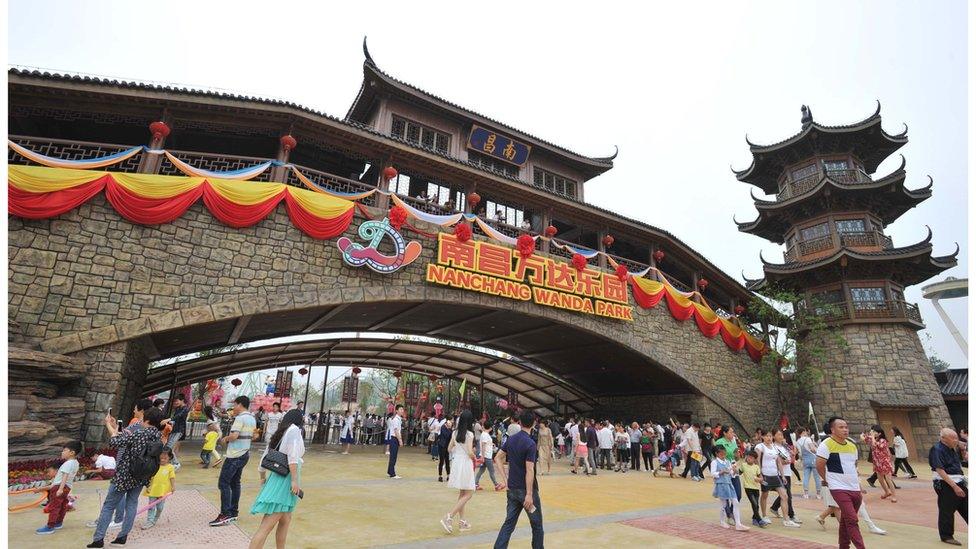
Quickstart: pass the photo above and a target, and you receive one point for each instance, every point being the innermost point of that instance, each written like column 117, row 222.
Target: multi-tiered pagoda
column 831, row 212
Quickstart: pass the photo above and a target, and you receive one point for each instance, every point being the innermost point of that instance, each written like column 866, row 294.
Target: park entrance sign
column 496, row 270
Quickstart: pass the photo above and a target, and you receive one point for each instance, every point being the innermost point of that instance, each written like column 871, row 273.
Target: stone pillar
column 114, row 379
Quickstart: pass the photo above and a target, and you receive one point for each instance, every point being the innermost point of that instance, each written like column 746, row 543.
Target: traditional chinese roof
column 375, row 80
column 887, row 197
column 866, row 140
column 907, row 266
column 953, row 383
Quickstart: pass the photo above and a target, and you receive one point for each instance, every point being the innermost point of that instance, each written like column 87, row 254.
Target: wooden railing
column 860, row 239
column 72, row 150
column 867, row 239
column 870, row 310
column 804, row 184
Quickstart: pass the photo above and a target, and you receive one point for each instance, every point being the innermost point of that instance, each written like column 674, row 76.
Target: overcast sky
column 676, row 89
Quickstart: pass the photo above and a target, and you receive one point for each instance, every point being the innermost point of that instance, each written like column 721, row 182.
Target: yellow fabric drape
column 246, row 194
column 156, row 186
column 320, row 204
column 40, row 179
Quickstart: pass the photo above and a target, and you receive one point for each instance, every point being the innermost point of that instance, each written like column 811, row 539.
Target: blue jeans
column 230, row 484
column 112, row 501
column 394, row 448
column 810, row 473
column 490, row 465
column 515, row 508
column 153, row 514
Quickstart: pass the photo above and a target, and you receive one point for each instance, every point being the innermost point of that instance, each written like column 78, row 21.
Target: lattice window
column 492, row 164
column 554, row 183
column 817, row 231
column 212, row 162
column 835, row 165
column 418, row 134
column 72, row 150
column 509, row 215
column 805, row 171
column 23, row 111
column 331, row 182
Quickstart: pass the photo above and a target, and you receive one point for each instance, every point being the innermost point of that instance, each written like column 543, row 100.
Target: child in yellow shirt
column 749, row 474
column 209, row 450
column 162, row 484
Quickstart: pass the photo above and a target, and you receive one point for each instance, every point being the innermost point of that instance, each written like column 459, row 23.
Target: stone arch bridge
column 97, row 298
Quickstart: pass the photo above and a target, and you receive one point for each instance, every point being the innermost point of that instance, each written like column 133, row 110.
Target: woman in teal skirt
column 279, row 494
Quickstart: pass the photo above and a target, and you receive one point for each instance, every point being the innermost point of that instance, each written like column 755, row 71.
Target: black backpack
column 145, row 464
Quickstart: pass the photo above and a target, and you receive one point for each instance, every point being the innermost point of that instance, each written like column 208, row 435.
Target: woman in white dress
column 347, row 428
column 461, row 476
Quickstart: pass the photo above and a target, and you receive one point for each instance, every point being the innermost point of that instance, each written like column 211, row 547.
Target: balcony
column 849, row 239
column 871, row 311
column 847, row 177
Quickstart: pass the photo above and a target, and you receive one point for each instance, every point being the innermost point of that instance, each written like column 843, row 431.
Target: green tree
column 799, row 356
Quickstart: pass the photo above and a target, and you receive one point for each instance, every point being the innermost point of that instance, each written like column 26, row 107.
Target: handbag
column 275, row 461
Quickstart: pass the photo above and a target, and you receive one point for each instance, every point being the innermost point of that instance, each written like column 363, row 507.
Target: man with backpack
column 138, row 461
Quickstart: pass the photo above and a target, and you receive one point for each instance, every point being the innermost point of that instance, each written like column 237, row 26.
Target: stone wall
column 90, row 283
column 883, row 366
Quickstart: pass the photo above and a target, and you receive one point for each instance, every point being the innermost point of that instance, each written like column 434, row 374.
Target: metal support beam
column 464, row 322
column 396, row 317
column 514, row 334
column 326, row 317
column 239, row 327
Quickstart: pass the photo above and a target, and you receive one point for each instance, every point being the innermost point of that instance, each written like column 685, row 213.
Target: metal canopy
column 551, row 357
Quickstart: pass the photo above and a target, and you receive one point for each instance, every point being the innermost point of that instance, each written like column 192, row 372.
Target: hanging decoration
column 397, row 374
column 148, row 199
column 288, row 142
column 87, row 164
column 432, row 377
column 236, row 382
column 648, row 293
column 659, row 256
column 398, row 216
column 159, row 130
column 357, row 370
column 473, row 200
column 303, row 371
column 242, row 174
column 579, row 262
column 608, row 241
column 551, row 231
column 462, row 231
column 389, row 173
column 739, row 309
column 525, row 246
column 702, row 284
column 622, row 272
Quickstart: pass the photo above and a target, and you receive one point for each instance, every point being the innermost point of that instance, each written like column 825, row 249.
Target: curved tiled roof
column 956, row 383
column 370, row 67
column 920, row 248
column 760, row 174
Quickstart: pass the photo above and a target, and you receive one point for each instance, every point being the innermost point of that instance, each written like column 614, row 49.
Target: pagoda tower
column 831, row 212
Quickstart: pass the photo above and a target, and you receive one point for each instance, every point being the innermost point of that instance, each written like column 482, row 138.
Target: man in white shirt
column 693, row 446
column 574, row 437
column 104, row 468
column 604, row 437
column 394, row 435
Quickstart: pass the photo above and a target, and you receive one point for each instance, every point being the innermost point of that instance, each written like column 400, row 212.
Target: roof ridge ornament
column 806, row 116
column 877, row 111
column 369, row 58
column 904, row 132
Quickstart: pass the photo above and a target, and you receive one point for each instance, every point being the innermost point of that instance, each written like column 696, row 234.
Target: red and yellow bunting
column 148, row 199
column 648, row 293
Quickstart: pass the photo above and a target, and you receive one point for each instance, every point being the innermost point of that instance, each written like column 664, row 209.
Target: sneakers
column 790, row 524
column 875, row 530
column 119, row 540
column 797, row 520
column 758, row 523
column 220, row 520
column 114, row 524
column 478, row 488
column 724, row 524
column 765, row 521
column 776, row 513
column 148, row 525
column 44, row 530
column 58, row 526
column 440, row 479
column 396, row 476
column 96, row 544
column 464, row 525
column 232, row 518
column 447, row 524
column 741, row 528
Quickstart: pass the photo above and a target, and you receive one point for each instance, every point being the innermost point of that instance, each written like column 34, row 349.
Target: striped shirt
column 244, row 425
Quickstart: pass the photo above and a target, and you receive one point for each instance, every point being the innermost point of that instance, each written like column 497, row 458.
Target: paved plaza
column 349, row 502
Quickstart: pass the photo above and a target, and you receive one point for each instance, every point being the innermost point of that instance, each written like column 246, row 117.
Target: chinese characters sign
column 498, row 146
column 497, row 270
column 283, row 383
column 350, row 389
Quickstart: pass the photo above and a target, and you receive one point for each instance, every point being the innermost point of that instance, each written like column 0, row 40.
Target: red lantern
column 303, row 371
column 288, row 142
column 397, row 374
column 389, row 173
column 462, row 231
column 159, row 129
column 236, row 382
column 551, row 231
column 432, row 377
column 579, row 262
column 622, row 273
column 473, row 200
column 608, row 241
column 659, row 256
column 357, row 370
column 739, row 309
column 525, row 246
column 398, row 216
column 702, row 284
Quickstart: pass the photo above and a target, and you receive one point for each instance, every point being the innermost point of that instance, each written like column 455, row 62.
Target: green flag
column 464, row 382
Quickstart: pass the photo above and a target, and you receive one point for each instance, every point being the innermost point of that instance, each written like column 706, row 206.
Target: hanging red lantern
column 608, row 241
column 462, row 231
column 303, row 371
column 702, row 284
column 579, row 262
column 357, row 370
column 397, row 374
column 389, row 173
column 288, row 142
column 398, row 216
column 236, row 382
column 473, row 200
column 739, row 309
column 551, row 231
column 159, row 129
column 622, row 273
column 659, row 256
column 432, row 377
column 525, row 246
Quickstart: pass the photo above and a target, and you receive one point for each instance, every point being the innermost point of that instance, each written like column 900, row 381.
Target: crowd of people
column 765, row 466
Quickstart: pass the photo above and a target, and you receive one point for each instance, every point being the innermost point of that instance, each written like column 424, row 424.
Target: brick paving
column 711, row 533
column 184, row 524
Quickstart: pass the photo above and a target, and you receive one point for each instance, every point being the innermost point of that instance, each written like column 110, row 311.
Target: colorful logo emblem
column 358, row 255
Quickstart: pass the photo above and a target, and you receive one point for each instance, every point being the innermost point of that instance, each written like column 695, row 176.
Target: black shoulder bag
column 275, row 461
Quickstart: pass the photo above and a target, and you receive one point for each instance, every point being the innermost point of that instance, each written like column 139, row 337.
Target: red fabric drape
column 708, row 330
column 643, row 298
column 677, row 311
column 236, row 215
column 52, row 204
column 314, row 226
column 734, row 343
column 149, row 211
